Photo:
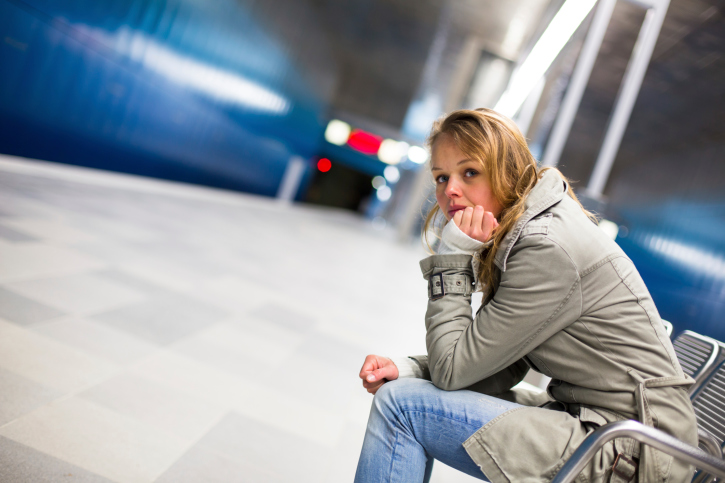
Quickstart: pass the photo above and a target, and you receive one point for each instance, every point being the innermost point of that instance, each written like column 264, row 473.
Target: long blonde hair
column 498, row 145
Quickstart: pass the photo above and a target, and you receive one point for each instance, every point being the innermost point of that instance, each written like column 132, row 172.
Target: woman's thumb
column 382, row 373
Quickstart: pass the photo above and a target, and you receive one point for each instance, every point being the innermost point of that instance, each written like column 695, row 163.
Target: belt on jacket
column 626, row 464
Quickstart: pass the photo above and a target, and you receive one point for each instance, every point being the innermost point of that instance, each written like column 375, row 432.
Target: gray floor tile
column 21, row 464
column 98, row 439
column 255, row 443
column 20, row 395
column 156, row 405
column 96, row 339
column 9, row 234
column 49, row 230
column 112, row 251
column 163, row 320
column 140, row 285
column 345, row 456
column 328, row 397
column 24, row 261
column 229, row 359
column 326, row 348
column 279, row 314
column 22, row 310
column 48, row 362
column 203, row 465
column 78, row 293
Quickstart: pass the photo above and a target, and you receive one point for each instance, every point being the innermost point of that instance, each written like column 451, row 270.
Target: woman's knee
column 393, row 396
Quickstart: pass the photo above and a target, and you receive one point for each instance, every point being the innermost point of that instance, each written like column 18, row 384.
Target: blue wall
column 181, row 89
column 678, row 247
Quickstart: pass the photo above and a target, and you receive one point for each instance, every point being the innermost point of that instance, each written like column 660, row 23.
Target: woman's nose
column 453, row 188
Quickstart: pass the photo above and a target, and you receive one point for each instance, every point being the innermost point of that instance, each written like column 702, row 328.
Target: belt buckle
column 435, row 285
column 627, row 460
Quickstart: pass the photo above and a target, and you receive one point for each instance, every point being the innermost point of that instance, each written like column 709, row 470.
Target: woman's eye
column 471, row 172
column 441, row 179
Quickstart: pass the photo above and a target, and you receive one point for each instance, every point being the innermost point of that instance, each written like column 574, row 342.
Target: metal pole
column 579, row 79
column 629, row 90
column 644, row 434
column 421, row 186
column 291, row 179
column 528, row 109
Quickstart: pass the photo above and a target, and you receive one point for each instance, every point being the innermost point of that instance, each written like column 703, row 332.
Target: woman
column 560, row 298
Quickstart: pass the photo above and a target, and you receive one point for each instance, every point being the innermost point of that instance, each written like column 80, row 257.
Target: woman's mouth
column 454, row 208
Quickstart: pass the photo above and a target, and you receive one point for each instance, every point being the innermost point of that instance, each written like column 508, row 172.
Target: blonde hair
column 498, row 145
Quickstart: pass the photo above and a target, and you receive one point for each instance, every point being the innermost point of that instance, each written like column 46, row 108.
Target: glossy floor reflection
column 152, row 331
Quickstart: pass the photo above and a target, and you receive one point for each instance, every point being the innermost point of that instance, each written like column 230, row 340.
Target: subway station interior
column 211, row 212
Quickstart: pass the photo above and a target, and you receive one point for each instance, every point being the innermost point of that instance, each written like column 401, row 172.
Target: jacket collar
column 549, row 190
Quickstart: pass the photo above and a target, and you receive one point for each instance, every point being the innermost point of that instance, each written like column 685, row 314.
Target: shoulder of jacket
column 543, row 250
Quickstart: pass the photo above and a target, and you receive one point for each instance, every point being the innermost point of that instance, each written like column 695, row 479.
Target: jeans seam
column 392, row 458
column 445, row 417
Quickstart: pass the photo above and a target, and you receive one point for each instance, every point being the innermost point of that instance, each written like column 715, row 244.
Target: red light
column 364, row 141
column 324, row 165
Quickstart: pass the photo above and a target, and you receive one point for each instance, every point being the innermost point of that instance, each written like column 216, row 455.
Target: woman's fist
column 476, row 222
column 376, row 371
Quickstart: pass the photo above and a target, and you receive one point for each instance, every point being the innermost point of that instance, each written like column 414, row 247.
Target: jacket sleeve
column 538, row 295
column 495, row 384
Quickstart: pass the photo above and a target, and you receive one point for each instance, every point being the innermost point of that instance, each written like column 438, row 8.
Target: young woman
column 559, row 297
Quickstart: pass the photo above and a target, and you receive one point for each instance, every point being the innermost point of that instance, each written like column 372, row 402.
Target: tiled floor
column 152, row 331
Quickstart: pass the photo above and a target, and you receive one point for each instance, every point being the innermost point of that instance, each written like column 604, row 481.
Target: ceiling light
column 392, row 151
column 324, row 165
column 417, row 154
column 384, row 193
column 392, row 174
column 388, row 152
column 557, row 34
column 364, row 142
column 337, row 132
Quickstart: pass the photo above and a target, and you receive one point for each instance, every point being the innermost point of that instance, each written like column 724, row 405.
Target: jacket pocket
column 537, row 226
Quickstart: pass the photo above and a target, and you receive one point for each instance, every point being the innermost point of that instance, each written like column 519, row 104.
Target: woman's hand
column 376, row 371
column 476, row 223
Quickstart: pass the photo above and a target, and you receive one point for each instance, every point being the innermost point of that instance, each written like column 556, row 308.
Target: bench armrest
column 644, row 434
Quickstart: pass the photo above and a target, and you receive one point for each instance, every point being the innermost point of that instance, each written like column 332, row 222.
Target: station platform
column 159, row 332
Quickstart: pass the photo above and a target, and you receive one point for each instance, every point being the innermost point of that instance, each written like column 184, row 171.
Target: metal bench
column 709, row 404
column 703, row 359
column 644, row 434
column 697, row 355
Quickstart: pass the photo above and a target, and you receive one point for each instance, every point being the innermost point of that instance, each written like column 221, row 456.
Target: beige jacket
column 571, row 305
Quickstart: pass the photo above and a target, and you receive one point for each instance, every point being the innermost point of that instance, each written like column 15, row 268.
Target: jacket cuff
column 461, row 261
column 422, row 362
column 453, row 240
column 407, row 367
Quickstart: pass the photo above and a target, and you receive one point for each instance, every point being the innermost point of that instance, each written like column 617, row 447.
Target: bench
column 697, row 355
column 703, row 359
column 709, row 404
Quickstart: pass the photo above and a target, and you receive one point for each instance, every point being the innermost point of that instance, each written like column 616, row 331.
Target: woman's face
column 459, row 181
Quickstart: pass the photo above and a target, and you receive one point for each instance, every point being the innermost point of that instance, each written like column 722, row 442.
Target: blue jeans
column 412, row 422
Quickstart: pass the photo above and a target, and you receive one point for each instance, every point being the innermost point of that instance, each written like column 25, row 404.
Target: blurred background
column 313, row 114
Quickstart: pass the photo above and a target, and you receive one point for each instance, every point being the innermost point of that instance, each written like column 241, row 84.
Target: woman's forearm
column 528, row 307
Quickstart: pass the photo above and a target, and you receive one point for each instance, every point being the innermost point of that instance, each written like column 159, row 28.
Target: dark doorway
column 341, row 187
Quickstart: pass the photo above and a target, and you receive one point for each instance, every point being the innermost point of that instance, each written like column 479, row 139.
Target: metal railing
column 697, row 355
column 644, row 434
